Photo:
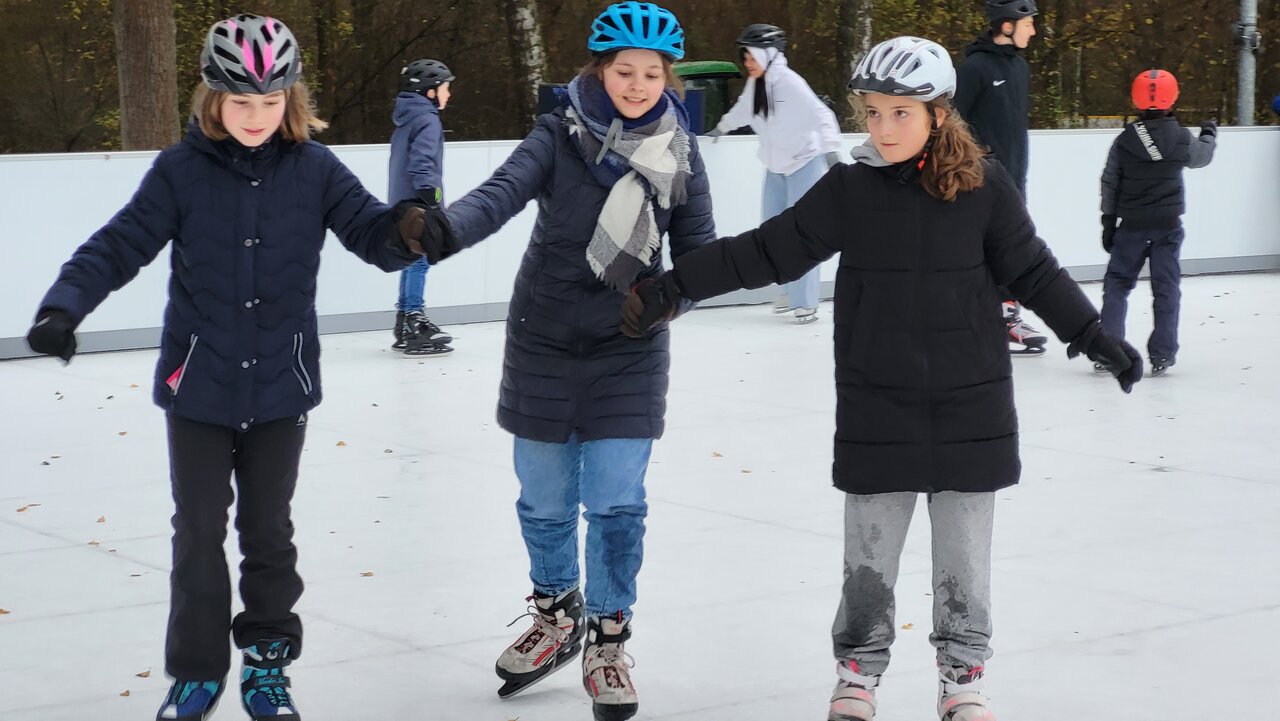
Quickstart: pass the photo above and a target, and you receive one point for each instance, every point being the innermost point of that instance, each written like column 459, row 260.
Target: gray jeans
column 875, row 529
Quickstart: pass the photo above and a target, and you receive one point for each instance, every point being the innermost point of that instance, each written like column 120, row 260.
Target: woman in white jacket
column 799, row 140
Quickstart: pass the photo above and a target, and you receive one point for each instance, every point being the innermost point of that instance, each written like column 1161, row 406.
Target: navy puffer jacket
column 567, row 368
column 239, row 345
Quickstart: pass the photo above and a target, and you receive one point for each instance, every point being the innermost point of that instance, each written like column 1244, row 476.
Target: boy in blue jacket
column 417, row 173
column 1142, row 205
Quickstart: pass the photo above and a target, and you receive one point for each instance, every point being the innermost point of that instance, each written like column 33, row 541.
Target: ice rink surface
column 1136, row 572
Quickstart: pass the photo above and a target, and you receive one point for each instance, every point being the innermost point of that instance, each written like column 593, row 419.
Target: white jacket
column 799, row 127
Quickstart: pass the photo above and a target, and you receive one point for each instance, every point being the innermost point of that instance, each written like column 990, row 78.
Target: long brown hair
column 300, row 119
column 954, row 164
column 600, row 62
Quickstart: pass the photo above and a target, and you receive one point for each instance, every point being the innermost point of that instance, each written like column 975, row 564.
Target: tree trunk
column 853, row 42
column 527, row 56
column 146, row 60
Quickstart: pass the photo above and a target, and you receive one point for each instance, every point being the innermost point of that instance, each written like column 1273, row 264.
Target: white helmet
column 906, row 67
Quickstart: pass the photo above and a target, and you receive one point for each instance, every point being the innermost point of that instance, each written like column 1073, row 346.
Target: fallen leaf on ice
column 746, row 470
column 144, row 674
column 342, row 443
column 94, row 543
column 367, row 574
column 4, row 612
column 716, row 454
column 102, row 519
column 124, row 692
column 123, row 433
column 908, row 626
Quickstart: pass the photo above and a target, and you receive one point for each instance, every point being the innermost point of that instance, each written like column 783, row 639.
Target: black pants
column 202, row 458
column 1131, row 249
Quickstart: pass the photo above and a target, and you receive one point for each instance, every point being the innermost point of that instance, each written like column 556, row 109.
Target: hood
column 409, row 105
column 984, row 44
column 1152, row 139
column 868, row 155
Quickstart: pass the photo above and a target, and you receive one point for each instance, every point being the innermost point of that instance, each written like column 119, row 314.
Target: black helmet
column 763, row 35
column 998, row 10
column 420, row 76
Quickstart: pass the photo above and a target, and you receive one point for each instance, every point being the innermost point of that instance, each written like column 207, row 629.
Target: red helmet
column 1155, row 90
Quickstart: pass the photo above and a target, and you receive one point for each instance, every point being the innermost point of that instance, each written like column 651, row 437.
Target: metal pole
column 1248, row 38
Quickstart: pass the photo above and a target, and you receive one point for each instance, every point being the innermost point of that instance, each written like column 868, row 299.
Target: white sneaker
column 806, row 315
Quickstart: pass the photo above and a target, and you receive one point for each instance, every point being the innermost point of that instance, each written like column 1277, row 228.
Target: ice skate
column 554, row 638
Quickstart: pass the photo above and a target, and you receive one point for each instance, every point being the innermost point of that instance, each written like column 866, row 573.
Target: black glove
column 652, row 301
column 54, row 333
column 1210, row 128
column 1120, row 358
column 1108, row 232
column 430, row 197
column 423, row 230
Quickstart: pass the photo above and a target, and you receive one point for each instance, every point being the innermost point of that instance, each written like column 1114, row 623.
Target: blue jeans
column 1131, row 249
column 413, row 281
column 605, row 476
column 782, row 192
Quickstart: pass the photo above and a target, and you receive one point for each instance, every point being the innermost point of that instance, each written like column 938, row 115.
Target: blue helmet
column 637, row 25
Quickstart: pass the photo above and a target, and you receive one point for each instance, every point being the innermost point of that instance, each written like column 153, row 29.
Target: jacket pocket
column 300, row 367
column 175, row 381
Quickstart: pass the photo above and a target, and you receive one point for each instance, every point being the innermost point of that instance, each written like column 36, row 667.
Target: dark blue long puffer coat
column 567, row 368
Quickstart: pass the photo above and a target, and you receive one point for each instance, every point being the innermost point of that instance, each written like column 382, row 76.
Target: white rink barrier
column 49, row 204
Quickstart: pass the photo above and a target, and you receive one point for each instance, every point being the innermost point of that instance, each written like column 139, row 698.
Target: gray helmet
column 420, row 76
column 250, row 55
column 762, row 35
column 1010, row 9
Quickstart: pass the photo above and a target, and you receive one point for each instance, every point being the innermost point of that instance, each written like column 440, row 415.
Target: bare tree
column 146, row 61
column 853, row 41
column 527, row 55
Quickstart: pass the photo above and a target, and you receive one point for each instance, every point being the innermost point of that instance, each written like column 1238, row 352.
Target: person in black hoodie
column 991, row 95
column 925, row 228
column 1142, row 206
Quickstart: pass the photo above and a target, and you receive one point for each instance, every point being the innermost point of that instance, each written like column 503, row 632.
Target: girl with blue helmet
column 614, row 168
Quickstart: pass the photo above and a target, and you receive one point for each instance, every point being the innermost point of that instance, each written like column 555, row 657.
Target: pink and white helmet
column 250, row 55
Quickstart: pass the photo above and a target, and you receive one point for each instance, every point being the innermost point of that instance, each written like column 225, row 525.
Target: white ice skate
column 606, row 670
column 854, row 698
column 554, row 638
column 960, row 695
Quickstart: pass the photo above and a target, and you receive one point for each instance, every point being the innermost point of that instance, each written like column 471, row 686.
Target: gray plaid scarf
column 655, row 161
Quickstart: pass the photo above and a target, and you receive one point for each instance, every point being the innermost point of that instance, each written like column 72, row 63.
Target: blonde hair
column 954, row 164
column 300, row 119
column 600, row 62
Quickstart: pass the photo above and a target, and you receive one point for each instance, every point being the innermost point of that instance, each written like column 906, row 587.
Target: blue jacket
column 567, row 368
column 239, row 344
column 417, row 148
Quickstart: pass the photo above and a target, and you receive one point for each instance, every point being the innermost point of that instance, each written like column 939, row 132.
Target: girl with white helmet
column 246, row 199
column 799, row 140
column 926, row 230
